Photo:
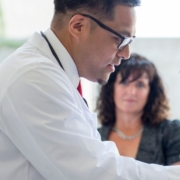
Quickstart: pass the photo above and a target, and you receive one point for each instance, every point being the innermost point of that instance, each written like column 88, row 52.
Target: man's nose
column 124, row 53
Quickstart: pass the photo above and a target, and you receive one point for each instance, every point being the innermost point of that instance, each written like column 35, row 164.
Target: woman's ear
column 76, row 25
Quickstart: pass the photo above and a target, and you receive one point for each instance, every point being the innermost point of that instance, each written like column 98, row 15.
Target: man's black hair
column 101, row 8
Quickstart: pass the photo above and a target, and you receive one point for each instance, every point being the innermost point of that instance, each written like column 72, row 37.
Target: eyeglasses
column 125, row 40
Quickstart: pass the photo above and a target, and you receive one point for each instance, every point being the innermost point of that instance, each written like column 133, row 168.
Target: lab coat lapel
column 39, row 42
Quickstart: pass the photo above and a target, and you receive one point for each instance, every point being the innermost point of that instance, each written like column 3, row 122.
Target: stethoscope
column 52, row 50
column 56, row 57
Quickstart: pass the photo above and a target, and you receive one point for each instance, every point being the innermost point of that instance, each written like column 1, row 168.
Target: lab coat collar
column 65, row 58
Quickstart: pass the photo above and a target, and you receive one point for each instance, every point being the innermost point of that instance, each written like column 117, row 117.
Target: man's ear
column 77, row 25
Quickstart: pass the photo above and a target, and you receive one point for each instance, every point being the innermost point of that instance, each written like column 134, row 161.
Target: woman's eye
column 140, row 85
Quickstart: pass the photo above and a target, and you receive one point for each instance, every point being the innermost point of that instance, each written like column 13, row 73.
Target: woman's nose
column 131, row 89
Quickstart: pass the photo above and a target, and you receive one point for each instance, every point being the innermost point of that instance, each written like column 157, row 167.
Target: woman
column 133, row 110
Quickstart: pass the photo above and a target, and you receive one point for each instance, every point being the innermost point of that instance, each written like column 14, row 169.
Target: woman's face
column 131, row 97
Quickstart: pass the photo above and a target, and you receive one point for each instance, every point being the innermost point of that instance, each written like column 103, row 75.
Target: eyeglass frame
column 111, row 30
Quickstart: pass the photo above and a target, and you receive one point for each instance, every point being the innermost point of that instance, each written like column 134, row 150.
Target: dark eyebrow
column 125, row 33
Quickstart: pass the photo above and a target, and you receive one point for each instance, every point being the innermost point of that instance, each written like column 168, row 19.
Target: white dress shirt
column 47, row 131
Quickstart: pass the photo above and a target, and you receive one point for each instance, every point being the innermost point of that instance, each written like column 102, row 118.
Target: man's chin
column 101, row 81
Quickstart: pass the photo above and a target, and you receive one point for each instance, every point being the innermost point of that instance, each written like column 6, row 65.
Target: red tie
column 79, row 88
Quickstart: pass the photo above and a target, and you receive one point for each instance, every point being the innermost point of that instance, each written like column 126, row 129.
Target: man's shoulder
column 29, row 62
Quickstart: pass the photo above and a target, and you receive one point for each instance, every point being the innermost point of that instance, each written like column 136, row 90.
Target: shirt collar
column 65, row 58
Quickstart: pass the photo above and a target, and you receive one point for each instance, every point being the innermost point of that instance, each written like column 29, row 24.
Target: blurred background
column 158, row 39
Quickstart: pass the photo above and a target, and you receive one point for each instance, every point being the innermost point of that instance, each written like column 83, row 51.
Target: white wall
column 23, row 17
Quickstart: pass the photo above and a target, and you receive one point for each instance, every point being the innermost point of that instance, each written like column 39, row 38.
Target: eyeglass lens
column 125, row 42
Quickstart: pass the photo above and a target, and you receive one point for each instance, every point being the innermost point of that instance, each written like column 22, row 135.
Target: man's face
column 99, row 50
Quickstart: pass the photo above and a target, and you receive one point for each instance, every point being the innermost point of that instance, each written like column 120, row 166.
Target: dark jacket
column 159, row 144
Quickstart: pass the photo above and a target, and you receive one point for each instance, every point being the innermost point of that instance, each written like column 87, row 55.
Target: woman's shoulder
column 170, row 124
column 104, row 132
column 163, row 139
column 104, row 128
column 171, row 140
column 170, row 130
column 165, row 129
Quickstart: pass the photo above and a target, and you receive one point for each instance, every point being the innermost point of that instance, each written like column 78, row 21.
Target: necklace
column 123, row 136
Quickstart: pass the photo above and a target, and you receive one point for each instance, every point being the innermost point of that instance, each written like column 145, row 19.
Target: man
column 47, row 131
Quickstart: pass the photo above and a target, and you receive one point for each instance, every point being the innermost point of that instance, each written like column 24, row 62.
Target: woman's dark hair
column 101, row 8
column 156, row 108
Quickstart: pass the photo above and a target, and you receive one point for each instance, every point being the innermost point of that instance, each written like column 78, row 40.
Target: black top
column 159, row 144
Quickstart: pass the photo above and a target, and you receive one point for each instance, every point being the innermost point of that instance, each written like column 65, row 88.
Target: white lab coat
column 46, row 129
